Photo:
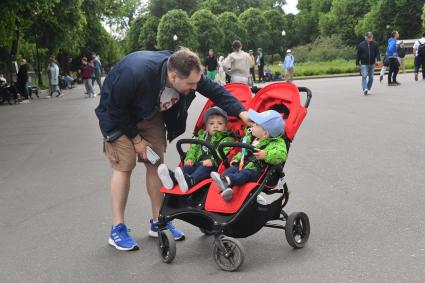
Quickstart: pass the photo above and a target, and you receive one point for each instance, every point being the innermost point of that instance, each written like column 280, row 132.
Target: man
column 23, row 80
column 392, row 56
column 401, row 51
column 260, row 64
column 288, row 64
column 211, row 65
column 97, row 70
column 367, row 55
column 144, row 98
column 419, row 52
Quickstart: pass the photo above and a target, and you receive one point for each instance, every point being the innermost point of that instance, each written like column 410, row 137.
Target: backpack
column 421, row 49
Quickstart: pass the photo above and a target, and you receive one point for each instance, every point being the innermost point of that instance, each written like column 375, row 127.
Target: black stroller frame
column 228, row 253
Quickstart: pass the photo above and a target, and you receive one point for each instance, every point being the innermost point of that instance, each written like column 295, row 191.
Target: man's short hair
column 394, row 33
column 236, row 45
column 369, row 34
column 183, row 62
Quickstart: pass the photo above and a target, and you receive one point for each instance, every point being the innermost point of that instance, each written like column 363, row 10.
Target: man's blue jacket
column 131, row 93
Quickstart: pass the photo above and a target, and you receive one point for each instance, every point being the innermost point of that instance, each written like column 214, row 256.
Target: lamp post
column 175, row 38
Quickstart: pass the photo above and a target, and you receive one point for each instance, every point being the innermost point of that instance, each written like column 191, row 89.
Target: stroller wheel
column 228, row 253
column 205, row 231
column 166, row 246
column 297, row 229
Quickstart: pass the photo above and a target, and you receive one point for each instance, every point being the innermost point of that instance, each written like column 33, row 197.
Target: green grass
column 335, row 67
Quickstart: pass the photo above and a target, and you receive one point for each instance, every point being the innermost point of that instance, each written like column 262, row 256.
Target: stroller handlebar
column 195, row 141
column 221, row 147
column 309, row 95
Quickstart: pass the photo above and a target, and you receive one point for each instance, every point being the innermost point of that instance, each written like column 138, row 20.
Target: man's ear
column 172, row 76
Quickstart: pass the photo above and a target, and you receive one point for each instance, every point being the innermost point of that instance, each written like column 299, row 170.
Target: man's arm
column 358, row 55
column 120, row 99
column 221, row 97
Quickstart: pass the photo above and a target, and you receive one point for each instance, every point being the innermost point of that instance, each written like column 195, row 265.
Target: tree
column 207, row 31
column 175, row 22
column 132, row 37
column 275, row 25
column 237, row 7
column 147, row 37
column 232, row 29
column 158, row 8
column 343, row 18
column 256, row 28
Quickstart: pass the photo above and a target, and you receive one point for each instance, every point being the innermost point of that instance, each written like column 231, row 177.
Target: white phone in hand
column 153, row 157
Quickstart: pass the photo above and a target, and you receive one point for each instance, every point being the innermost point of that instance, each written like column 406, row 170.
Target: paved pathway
column 356, row 167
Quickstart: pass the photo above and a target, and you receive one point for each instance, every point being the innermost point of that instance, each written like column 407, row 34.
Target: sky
column 291, row 7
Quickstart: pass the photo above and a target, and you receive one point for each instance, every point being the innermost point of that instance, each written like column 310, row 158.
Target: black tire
column 297, row 229
column 206, row 232
column 231, row 258
column 166, row 246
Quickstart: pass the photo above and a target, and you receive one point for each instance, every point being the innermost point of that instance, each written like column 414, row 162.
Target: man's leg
column 363, row 71
column 153, row 183
column 423, row 67
column 99, row 81
column 120, row 186
column 371, row 69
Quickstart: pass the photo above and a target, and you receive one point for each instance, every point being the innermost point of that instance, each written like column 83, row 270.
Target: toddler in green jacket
column 199, row 162
column 267, row 130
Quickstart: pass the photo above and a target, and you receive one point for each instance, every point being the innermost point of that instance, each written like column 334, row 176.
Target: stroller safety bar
column 308, row 91
column 221, row 147
column 195, row 141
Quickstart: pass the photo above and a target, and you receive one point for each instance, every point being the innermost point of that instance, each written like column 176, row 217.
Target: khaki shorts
column 120, row 152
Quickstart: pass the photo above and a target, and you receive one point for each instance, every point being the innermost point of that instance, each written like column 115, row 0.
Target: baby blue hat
column 270, row 120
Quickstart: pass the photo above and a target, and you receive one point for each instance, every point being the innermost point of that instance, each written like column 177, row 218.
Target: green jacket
column 196, row 153
column 275, row 149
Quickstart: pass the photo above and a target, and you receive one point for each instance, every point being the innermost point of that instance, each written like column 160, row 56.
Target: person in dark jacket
column 367, row 55
column 260, row 64
column 211, row 64
column 144, row 100
column 23, row 80
column 401, row 51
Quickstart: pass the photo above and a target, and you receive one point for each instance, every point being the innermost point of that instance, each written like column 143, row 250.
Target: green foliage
column 256, row 28
column 423, row 17
column 132, row 37
column 175, row 22
column 324, row 49
column 275, row 42
column 207, row 31
column 147, row 37
column 232, row 29
column 158, row 8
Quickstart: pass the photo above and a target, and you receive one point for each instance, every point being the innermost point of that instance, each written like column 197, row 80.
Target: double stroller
column 242, row 216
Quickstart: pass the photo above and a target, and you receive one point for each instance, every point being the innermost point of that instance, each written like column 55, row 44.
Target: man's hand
column 244, row 116
column 260, row 154
column 188, row 163
column 207, row 163
column 140, row 147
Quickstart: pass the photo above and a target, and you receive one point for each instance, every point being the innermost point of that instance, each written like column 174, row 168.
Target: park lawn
column 335, row 67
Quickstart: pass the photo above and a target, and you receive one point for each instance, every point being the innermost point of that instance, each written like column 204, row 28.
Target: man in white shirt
column 419, row 52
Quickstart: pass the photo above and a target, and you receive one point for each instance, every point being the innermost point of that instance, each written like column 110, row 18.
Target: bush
column 273, row 58
column 324, row 49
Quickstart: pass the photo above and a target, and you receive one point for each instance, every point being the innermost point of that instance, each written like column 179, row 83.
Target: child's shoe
column 164, row 176
column 185, row 181
column 220, row 180
column 227, row 194
column 121, row 240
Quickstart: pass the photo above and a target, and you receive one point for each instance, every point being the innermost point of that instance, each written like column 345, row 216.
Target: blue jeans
column 197, row 172
column 367, row 76
column 238, row 178
column 420, row 62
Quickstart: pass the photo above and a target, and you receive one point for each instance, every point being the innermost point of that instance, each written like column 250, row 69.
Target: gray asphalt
column 356, row 167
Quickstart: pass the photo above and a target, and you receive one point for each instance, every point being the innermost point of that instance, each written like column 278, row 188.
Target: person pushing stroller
column 199, row 162
column 266, row 136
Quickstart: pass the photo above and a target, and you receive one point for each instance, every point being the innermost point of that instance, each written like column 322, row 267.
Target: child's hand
column 234, row 162
column 260, row 154
column 207, row 163
column 188, row 163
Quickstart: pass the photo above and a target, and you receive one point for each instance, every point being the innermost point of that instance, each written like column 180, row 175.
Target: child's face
column 259, row 132
column 216, row 123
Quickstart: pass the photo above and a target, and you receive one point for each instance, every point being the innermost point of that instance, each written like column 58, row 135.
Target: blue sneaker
column 177, row 234
column 121, row 240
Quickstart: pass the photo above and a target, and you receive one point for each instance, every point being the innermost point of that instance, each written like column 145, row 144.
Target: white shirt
column 416, row 45
column 168, row 98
